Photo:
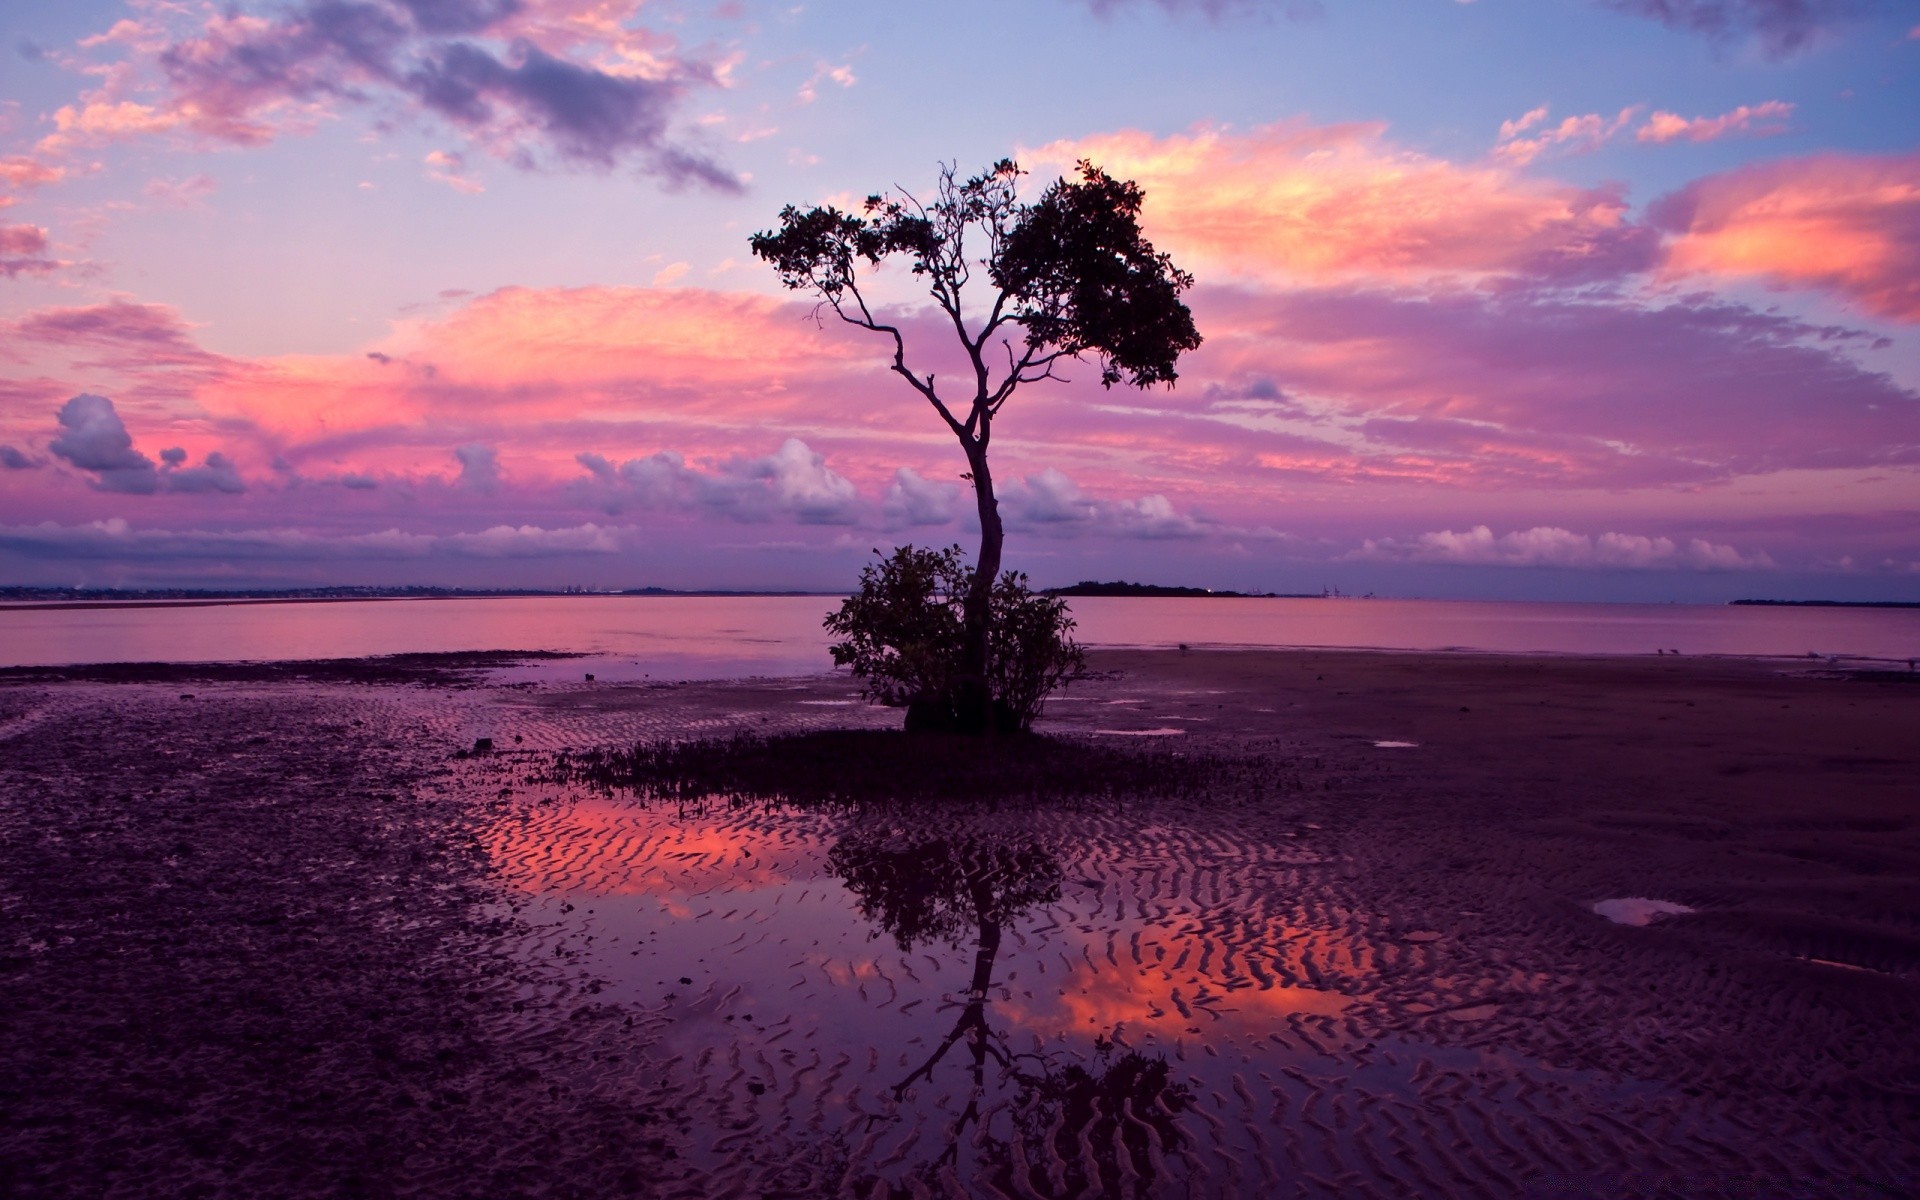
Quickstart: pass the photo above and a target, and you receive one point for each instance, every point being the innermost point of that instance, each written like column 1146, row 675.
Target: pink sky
column 459, row 293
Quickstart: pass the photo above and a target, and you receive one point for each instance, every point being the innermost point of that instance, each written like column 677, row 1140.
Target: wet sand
column 278, row 940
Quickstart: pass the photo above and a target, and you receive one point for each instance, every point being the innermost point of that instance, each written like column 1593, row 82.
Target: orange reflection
column 600, row 846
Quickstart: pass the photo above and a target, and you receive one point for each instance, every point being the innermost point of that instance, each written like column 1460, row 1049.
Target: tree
column 1071, row 272
column 903, row 632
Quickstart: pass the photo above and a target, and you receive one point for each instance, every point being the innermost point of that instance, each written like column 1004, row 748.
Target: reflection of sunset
column 1100, row 998
column 601, row 846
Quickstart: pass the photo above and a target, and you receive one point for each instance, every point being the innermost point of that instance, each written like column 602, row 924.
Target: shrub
column 903, row 632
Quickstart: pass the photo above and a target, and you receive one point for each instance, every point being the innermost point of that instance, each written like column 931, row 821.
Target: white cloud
column 1551, row 546
column 1049, row 501
column 912, row 499
column 793, row 481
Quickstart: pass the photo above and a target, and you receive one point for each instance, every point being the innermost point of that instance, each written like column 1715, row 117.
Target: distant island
column 1826, row 603
column 82, row 597
column 1089, row 587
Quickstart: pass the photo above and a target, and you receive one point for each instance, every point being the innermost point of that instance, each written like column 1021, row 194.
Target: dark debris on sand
column 871, row 766
column 237, row 964
column 460, row 669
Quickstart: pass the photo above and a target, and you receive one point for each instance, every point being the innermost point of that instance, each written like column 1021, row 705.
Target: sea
column 720, row 637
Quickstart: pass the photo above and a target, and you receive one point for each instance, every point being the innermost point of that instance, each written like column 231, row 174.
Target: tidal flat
column 1273, row 923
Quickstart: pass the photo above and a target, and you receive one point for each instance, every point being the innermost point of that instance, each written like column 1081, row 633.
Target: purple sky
column 1610, row 299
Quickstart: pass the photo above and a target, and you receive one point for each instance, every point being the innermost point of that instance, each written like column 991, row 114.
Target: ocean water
column 688, row 637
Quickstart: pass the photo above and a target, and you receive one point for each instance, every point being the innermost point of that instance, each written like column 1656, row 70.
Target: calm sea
column 717, row 637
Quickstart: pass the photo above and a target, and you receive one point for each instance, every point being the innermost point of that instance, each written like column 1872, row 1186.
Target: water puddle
column 1395, row 745
column 928, row 996
column 1098, row 999
column 1161, row 732
column 1638, row 910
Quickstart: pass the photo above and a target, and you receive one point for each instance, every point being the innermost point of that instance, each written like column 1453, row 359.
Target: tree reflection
column 1076, row 1126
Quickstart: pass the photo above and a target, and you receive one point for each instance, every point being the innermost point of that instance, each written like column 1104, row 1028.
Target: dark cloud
column 523, row 102
column 218, row 475
column 458, row 16
column 479, row 467
column 14, row 459
column 93, row 439
column 1783, row 26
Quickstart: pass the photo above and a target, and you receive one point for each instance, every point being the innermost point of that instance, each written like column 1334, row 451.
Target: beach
column 1362, row 924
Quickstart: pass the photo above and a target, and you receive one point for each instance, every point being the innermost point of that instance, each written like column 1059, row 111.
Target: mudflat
column 1298, row 923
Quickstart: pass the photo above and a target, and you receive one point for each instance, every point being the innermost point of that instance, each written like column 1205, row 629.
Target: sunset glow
column 1477, row 320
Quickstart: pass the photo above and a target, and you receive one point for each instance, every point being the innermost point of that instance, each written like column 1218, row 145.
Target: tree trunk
column 973, row 699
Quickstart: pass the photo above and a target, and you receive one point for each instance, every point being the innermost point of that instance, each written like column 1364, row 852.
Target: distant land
column 1827, row 603
column 1089, row 587
column 136, row 597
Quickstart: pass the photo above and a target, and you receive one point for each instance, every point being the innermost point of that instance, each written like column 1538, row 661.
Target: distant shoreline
column 1823, row 603
column 11, row 599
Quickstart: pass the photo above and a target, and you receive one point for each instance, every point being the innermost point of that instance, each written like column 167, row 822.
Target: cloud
column 120, row 334
column 219, row 474
column 792, row 482
column 1295, row 202
column 1485, row 389
column 115, row 538
column 826, row 73
column 1048, row 501
column 1575, row 134
column 22, row 171
column 1760, row 120
column 479, row 468
column 1842, row 222
column 190, row 192
column 1551, row 546
column 23, row 251
column 516, row 79
column 445, row 166
column 912, row 499
column 94, row 440
column 1782, row 26
column 14, row 459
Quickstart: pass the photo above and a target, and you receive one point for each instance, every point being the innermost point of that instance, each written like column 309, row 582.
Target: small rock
column 483, row 745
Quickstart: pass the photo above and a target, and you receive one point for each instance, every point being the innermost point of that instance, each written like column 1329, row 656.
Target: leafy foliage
column 1073, row 270
column 903, row 636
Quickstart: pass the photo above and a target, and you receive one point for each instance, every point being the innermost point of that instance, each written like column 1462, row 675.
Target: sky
column 1541, row 299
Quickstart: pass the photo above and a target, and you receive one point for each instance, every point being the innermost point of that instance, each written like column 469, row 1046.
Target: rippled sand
column 1368, row 965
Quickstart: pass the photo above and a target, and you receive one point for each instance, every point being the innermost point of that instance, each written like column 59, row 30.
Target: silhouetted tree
column 1072, row 272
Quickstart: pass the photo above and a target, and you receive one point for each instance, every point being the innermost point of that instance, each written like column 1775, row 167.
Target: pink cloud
column 1761, row 120
column 21, row 171
column 1845, row 223
column 1574, row 134
column 118, row 334
column 23, row 251
column 1300, row 202
column 563, row 83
